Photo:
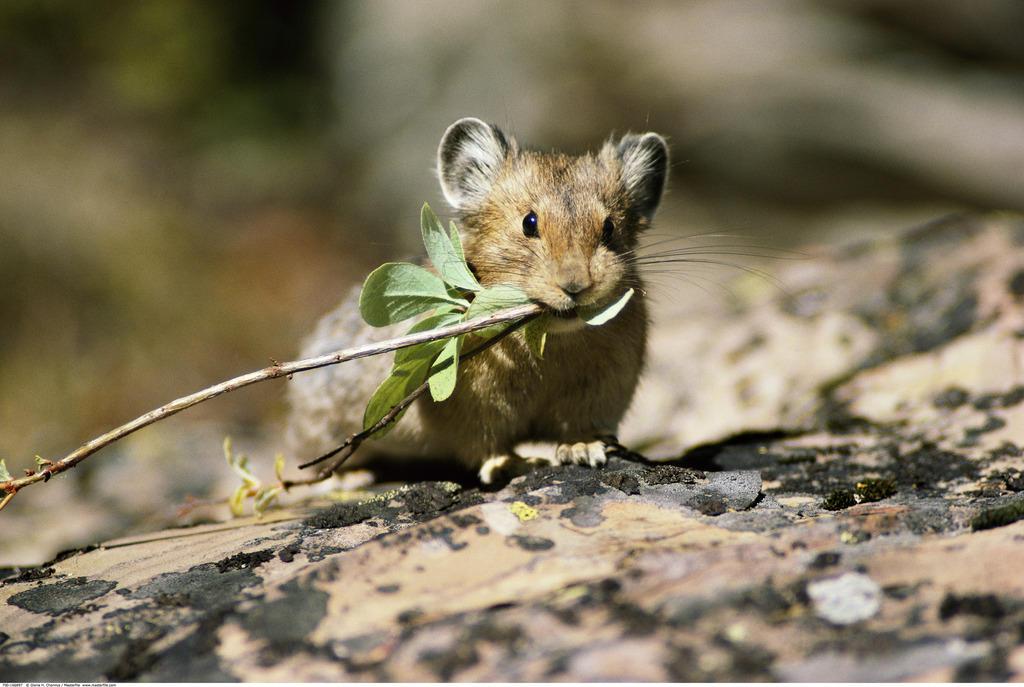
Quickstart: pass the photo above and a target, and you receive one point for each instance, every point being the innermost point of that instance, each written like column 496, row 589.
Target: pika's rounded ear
column 644, row 160
column 468, row 160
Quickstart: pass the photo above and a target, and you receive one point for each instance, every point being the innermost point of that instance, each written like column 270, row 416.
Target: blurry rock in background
column 187, row 185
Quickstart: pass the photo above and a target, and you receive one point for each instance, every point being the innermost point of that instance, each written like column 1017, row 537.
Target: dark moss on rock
column 61, row 597
column 479, row 633
column 346, row 514
column 430, row 533
column 708, row 504
column 930, row 514
column 445, row 663
column 420, row 501
column 671, row 474
column 1005, row 400
column 29, row 575
column 243, row 560
column 194, row 658
column 570, row 482
column 870, row 490
column 409, row 615
column 287, row 554
column 319, row 553
column 951, row 398
column 839, row 499
column 465, row 520
column 991, row 668
column 1012, row 478
column 991, row 424
column 136, row 658
column 747, row 662
column 528, row 543
column 171, row 600
column 982, row 605
column 918, row 314
column 901, row 592
column 682, row 665
column 928, row 467
column 825, row 559
column 429, row 497
column 626, row 482
column 289, row 619
column 204, row 586
column 998, row 516
column 62, row 667
column 1007, row 450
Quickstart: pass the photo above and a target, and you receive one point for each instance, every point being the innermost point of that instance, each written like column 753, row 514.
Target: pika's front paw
column 502, row 469
column 581, row 453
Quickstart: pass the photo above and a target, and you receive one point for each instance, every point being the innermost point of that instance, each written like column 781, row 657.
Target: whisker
column 677, row 239
column 699, row 261
column 689, row 237
column 732, row 250
column 689, row 278
column 746, row 250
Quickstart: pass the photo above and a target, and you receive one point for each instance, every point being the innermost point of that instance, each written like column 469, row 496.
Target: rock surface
column 848, row 505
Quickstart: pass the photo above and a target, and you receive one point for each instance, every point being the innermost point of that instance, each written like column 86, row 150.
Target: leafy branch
column 11, row 486
column 426, row 358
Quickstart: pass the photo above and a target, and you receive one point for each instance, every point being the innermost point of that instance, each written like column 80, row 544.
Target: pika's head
column 562, row 228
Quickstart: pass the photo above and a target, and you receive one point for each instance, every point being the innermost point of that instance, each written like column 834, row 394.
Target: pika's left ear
column 469, row 159
column 644, row 161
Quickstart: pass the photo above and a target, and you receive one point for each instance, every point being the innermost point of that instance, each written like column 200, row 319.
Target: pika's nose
column 573, row 282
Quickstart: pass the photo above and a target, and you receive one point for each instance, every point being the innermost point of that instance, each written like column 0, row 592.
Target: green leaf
column 400, row 383
column 444, row 370
column 228, row 453
column 245, row 473
column 491, row 300
column 457, row 242
column 240, row 465
column 536, row 334
column 279, row 467
column 598, row 316
column 449, row 261
column 237, row 501
column 264, row 498
column 4, row 475
column 429, row 348
column 495, row 298
column 396, row 291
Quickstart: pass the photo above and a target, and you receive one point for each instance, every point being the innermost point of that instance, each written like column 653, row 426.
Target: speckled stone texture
column 844, row 500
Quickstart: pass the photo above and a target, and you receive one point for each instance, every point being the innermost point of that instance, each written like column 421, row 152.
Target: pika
column 562, row 228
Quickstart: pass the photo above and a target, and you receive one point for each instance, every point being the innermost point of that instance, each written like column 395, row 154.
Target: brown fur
column 583, row 385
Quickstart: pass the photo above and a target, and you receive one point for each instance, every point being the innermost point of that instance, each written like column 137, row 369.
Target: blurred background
column 185, row 186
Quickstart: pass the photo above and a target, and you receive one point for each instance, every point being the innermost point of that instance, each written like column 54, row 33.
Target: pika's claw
column 596, row 454
column 581, row 453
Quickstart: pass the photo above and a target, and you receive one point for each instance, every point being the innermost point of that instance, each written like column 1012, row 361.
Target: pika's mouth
column 561, row 310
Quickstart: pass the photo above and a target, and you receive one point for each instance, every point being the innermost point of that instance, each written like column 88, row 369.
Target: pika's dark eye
column 530, row 224
column 607, row 230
